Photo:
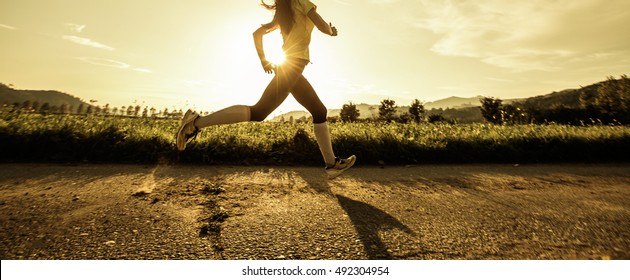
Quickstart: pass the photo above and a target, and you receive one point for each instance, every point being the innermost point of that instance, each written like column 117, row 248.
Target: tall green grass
column 72, row 138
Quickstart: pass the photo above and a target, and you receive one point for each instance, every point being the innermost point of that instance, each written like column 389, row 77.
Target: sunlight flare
column 273, row 48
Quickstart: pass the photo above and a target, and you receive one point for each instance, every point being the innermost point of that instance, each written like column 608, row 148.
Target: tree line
column 607, row 102
column 124, row 111
column 387, row 111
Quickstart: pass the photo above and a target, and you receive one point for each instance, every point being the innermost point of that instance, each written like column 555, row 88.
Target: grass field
column 76, row 138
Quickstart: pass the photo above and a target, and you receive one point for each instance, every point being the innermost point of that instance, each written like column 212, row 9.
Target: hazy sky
column 200, row 53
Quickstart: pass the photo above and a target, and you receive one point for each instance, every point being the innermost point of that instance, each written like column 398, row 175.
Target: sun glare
column 273, row 47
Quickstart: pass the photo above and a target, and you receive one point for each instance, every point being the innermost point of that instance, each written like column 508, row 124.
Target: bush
column 71, row 138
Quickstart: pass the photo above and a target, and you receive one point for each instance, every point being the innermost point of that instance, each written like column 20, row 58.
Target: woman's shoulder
column 304, row 5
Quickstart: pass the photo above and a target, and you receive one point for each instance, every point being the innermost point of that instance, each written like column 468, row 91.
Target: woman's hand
column 267, row 66
column 333, row 29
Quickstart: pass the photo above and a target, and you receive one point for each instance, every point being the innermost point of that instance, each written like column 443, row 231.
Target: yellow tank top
column 297, row 41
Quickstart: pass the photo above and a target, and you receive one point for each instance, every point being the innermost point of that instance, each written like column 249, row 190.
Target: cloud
column 113, row 64
column 87, row 42
column 104, row 62
column 7, row 27
column 78, row 28
column 524, row 35
column 142, row 70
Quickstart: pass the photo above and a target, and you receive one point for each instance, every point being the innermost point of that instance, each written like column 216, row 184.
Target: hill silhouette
column 463, row 108
column 9, row 95
column 570, row 98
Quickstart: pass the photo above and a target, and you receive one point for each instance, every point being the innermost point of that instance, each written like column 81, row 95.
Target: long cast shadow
column 368, row 221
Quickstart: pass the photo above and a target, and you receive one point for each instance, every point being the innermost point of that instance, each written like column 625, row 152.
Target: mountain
column 454, row 102
column 569, row 97
column 455, row 106
column 295, row 115
column 368, row 111
column 464, row 109
column 9, row 95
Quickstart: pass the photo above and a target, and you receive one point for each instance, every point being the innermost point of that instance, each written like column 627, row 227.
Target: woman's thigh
column 305, row 95
column 277, row 91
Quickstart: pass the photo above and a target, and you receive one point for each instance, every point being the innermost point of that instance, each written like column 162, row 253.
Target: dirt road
column 421, row 212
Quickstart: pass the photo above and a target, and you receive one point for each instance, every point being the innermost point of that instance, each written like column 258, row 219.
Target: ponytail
column 284, row 14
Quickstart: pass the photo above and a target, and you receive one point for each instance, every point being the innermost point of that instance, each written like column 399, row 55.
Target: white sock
column 229, row 115
column 323, row 140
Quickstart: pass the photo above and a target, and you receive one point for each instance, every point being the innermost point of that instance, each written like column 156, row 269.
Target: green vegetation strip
column 74, row 138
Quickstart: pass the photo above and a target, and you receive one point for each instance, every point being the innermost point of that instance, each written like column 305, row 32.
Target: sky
column 200, row 53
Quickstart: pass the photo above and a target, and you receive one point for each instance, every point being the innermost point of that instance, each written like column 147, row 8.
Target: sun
column 272, row 44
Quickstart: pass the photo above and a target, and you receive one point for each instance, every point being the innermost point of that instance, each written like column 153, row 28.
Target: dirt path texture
column 92, row 211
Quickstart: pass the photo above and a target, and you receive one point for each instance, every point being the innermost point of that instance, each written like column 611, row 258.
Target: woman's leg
column 275, row 93
column 277, row 90
column 229, row 115
column 307, row 97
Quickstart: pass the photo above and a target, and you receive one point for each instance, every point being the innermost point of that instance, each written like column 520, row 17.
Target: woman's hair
column 284, row 14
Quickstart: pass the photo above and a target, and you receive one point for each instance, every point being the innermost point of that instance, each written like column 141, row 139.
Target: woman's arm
column 258, row 43
column 326, row 28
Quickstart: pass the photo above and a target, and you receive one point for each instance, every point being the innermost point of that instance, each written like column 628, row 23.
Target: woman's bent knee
column 320, row 115
column 257, row 115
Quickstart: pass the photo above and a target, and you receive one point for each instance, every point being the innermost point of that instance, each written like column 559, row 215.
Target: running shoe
column 340, row 166
column 187, row 130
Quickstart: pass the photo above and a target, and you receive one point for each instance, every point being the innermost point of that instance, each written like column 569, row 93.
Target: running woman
column 296, row 20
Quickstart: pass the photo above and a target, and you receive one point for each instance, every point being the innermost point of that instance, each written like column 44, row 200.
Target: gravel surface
column 89, row 211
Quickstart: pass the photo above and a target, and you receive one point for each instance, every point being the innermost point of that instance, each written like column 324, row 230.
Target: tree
column 613, row 98
column 35, row 106
column 130, row 110
column 45, row 108
column 435, row 118
column 416, row 110
column 349, row 112
column 511, row 114
column 405, row 117
column 64, row 108
column 387, row 110
column 106, row 110
column 491, row 109
column 27, row 105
